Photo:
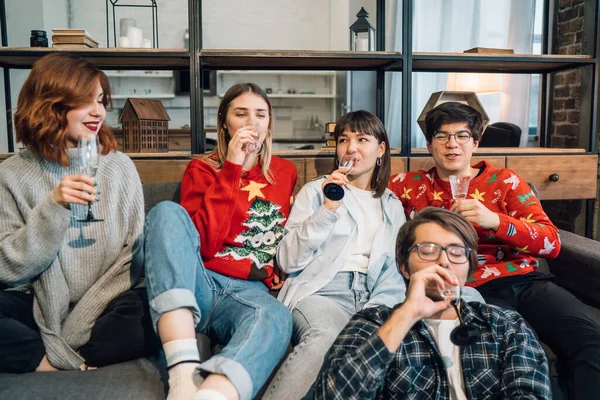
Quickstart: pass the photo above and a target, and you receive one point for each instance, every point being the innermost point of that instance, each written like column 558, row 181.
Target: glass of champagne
column 89, row 157
column 254, row 148
column 459, row 185
column 334, row 191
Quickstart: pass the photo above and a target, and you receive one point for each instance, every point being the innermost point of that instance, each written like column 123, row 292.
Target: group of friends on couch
column 360, row 278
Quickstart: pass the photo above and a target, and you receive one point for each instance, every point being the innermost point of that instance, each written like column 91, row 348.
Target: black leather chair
column 501, row 134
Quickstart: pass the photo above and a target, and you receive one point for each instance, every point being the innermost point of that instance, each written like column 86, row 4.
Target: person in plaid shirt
column 512, row 230
column 406, row 352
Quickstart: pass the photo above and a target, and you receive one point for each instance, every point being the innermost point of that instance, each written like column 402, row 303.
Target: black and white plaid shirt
column 506, row 362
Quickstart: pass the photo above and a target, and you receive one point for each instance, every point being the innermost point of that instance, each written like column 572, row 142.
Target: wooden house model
column 145, row 126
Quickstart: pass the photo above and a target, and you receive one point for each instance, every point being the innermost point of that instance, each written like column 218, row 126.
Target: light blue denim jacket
column 317, row 243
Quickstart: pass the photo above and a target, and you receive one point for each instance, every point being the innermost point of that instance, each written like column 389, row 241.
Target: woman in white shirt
column 339, row 254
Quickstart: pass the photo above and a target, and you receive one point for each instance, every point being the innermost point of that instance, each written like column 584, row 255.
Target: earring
column 378, row 162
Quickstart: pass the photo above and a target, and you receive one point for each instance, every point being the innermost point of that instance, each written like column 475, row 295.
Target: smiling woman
column 62, row 89
column 76, row 281
column 339, row 253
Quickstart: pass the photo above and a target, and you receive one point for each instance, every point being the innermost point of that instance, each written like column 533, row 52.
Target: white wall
column 231, row 24
column 23, row 16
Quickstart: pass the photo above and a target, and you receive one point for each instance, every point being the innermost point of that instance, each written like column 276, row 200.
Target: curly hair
column 57, row 84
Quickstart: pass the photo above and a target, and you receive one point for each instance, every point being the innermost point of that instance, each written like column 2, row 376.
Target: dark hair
column 447, row 220
column 57, row 84
column 223, row 137
column 453, row 112
column 365, row 122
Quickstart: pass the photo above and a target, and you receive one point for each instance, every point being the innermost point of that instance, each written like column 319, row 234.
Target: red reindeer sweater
column 239, row 215
column 525, row 232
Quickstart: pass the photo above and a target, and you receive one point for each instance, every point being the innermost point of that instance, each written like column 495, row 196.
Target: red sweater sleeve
column 209, row 196
column 525, row 225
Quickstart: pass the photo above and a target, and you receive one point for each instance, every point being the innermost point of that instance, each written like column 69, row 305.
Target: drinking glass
column 459, row 186
column 450, row 294
column 254, row 148
column 333, row 191
column 89, row 157
column 346, row 162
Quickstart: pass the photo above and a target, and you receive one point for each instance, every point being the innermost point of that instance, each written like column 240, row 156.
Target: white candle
column 123, row 41
column 135, row 36
column 361, row 44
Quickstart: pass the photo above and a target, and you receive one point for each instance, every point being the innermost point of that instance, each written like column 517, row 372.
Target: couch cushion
column 138, row 379
column 154, row 193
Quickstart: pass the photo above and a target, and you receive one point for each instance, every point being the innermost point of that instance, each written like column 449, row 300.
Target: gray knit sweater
column 73, row 268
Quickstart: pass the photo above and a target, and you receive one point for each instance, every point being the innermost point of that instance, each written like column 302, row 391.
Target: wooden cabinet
column 558, row 177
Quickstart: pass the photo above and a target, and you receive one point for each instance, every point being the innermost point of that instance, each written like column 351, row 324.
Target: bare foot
column 45, row 365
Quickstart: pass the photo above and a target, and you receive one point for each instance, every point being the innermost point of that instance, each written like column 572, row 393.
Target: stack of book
column 73, row 39
column 330, row 128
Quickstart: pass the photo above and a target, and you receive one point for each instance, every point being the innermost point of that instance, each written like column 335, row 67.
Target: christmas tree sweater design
column 525, row 231
column 239, row 215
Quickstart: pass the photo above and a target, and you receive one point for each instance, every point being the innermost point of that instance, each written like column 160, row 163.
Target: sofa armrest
column 577, row 267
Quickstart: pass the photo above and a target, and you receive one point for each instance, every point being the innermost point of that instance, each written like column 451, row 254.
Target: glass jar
column 38, row 39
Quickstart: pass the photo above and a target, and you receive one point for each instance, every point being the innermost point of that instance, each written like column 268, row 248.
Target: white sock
column 209, row 394
column 182, row 360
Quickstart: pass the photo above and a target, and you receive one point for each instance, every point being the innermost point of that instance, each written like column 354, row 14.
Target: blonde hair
column 218, row 156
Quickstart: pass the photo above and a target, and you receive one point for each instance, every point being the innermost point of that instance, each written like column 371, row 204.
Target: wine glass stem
column 90, row 215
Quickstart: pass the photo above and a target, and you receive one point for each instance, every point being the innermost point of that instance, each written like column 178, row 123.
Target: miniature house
column 145, row 126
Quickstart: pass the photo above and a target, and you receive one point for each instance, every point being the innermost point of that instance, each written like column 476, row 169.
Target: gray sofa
column 577, row 268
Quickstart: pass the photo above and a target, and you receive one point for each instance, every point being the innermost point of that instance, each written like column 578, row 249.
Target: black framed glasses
column 432, row 252
column 460, row 137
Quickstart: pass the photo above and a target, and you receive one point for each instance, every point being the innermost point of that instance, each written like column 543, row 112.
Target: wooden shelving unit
column 113, row 58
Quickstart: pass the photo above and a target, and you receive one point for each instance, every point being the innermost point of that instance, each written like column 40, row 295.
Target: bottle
column 38, row 39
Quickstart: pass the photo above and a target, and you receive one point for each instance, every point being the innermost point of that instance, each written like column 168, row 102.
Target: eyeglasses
column 460, row 137
column 432, row 252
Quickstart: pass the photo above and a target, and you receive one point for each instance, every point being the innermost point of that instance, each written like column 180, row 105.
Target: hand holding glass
column 333, row 191
column 451, row 293
column 254, row 148
column 89, row 157
column 459, row 185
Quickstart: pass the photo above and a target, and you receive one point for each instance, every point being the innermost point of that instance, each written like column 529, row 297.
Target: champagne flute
column 333, row 191
column 254, row 148
column 459, row 185
column 89, row 156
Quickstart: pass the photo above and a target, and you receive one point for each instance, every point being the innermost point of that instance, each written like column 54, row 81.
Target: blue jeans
column 254, row 325
column 318, row 320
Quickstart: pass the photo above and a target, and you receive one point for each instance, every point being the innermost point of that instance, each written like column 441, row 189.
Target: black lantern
column 114, row 4
column 362, row 34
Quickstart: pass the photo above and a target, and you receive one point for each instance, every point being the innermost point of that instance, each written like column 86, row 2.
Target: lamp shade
column 470, row 82
column 437, row 98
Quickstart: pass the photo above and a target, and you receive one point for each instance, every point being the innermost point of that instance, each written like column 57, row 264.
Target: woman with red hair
column 68, row 284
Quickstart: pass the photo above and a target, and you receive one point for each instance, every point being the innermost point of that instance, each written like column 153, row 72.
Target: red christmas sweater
column 239, row 215
column 525, row 231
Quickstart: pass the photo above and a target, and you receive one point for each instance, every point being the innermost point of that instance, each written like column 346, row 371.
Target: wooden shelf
column 502, row 63
column 113, row 58
column 300, row 60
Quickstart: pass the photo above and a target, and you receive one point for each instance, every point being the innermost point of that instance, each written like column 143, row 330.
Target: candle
column 123, row 41
column 361, row 44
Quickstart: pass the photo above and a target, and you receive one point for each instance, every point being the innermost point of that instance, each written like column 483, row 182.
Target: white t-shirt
column 369, row 217
column 440, row 330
